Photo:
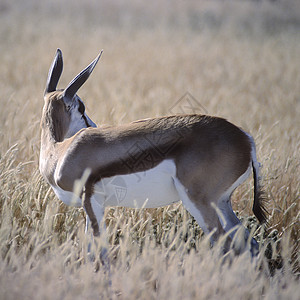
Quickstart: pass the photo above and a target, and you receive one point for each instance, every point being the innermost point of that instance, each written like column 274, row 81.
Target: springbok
column 149, row 163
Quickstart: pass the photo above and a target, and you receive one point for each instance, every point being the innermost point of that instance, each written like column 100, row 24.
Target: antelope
column 197, row 159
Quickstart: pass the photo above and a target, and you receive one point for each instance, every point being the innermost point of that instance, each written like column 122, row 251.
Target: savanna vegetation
column 236, row 59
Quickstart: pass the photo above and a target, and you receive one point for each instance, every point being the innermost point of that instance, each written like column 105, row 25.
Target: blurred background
column 238, row 59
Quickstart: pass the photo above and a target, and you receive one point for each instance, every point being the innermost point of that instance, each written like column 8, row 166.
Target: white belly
column 148, row 189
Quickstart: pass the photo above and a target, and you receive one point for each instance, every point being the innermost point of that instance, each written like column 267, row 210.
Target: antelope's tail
column 260, row 200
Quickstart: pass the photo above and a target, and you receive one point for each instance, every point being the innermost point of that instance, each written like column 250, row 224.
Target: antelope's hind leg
column 216, row 218
column 232, row 225
column 239, row 235
column 204, row 213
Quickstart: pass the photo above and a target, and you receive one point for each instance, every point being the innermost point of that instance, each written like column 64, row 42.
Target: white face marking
column 79, row 120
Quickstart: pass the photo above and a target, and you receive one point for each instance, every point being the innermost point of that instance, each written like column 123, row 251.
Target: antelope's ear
column 80, row 79
column 54, row 72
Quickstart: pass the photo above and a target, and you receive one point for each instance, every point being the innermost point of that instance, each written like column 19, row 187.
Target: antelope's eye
column 81, row 108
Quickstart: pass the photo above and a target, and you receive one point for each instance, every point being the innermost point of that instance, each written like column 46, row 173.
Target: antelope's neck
column 48, row 156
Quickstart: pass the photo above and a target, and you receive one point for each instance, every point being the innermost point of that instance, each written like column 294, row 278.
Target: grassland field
column 235, row 59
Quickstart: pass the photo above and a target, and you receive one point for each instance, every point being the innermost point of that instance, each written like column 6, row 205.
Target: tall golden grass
column 239, row 60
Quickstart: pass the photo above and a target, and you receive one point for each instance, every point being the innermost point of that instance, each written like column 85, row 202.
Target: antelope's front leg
column 99, row 244
column 86, row 200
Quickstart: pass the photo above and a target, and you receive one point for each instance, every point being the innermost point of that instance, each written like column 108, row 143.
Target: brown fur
column 212, row 143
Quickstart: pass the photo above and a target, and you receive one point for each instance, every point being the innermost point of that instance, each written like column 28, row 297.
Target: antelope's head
column 64, row 112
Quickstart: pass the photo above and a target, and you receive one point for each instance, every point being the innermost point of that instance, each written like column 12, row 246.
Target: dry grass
column 240, row 60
